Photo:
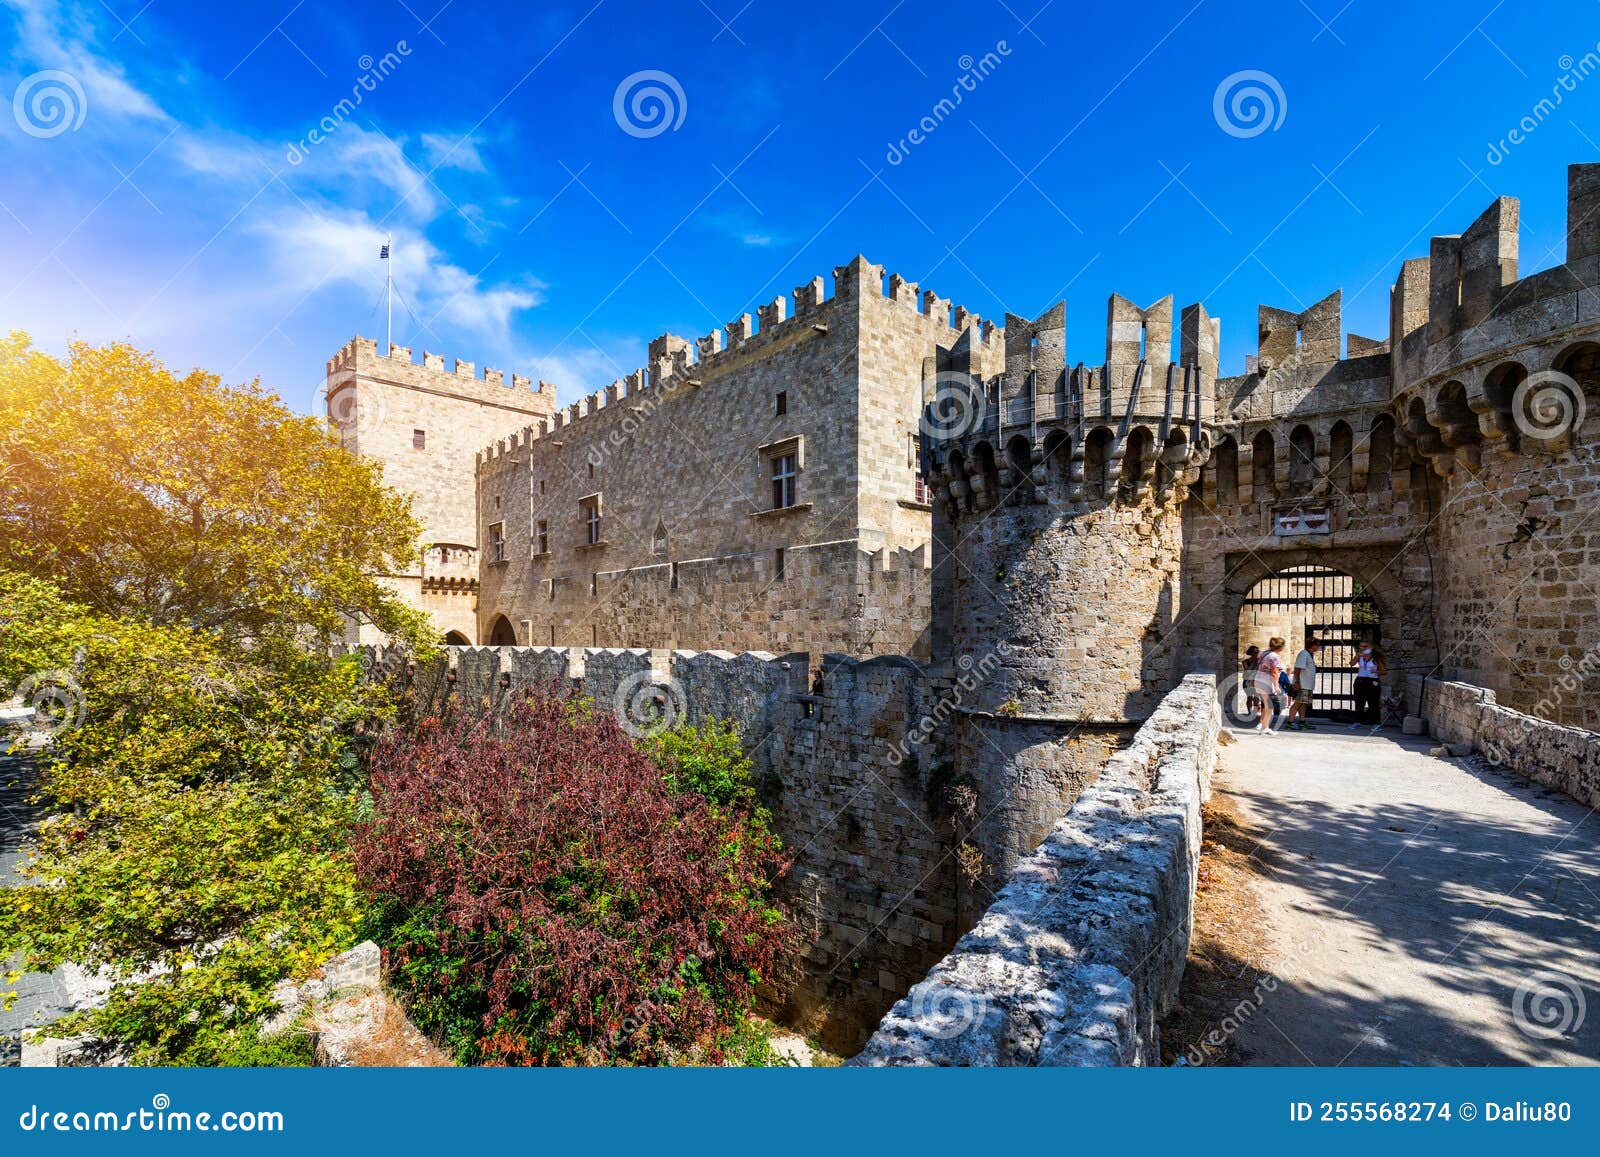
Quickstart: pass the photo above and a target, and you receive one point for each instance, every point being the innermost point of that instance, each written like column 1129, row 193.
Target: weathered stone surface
column 1084, row 947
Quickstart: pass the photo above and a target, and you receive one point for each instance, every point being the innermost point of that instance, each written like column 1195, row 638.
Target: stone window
column 541, row 537
column 783, row 403
column 541, row 486
column 778, row 565
column 419, row 439
column 920, row 493
column 589, row 517
column 785, row 475
column 497, row 542
column 779, row 466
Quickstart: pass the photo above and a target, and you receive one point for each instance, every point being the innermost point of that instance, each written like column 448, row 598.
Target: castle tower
column 426, row 425
column 1059, row 494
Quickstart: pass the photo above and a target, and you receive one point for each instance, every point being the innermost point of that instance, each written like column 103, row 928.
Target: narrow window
column 778, row 564
column 589, row 508
column 419, row 439
column 541, row 486
column 541, row 535
column 783, row 481
column 594, row 583
column 497, row 542
column 783, row 402
column 591, row 470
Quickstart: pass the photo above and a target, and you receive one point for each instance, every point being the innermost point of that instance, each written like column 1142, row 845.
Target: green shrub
column 544, row 896
column 200, row 795
column 708, row 760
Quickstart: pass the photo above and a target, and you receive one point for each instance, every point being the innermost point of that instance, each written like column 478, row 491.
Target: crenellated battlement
column 673, row 362
column 360, row 357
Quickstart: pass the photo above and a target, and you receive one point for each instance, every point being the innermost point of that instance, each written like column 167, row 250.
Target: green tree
column 201, row 801
column 181, row 500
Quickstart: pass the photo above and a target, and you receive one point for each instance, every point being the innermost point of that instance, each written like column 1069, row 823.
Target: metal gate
column 1330, row 606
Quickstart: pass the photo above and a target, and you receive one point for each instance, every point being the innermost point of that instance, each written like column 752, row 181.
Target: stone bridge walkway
column 1408, row 898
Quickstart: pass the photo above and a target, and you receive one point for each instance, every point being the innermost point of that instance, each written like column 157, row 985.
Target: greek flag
column 383, row 254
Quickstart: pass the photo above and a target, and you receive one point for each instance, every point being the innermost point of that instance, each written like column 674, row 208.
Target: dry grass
column 372, row 1031
column 1228, row 954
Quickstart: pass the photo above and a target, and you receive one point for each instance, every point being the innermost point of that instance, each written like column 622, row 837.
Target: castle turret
column 1059, row 500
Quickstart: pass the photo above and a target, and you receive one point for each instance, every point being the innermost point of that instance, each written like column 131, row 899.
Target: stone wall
column 1564, row 758
column 1084, row 949
column 859, row 788
column 676, row 462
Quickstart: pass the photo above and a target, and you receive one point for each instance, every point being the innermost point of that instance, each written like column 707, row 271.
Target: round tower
column 1059, row 513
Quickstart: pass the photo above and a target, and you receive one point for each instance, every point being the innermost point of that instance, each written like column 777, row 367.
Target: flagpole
column 388, row 286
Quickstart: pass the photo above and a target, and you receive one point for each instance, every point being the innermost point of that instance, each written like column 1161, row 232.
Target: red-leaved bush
column 544, row 896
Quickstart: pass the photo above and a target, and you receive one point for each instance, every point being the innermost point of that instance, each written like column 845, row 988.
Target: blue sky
column 189, row 211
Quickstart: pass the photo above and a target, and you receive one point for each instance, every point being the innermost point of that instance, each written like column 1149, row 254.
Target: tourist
column 1247, row 673
column 1303, row 686
column 1371, row 667
column 1269, row 672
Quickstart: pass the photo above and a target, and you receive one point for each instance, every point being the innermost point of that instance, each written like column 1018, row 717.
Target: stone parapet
column 1084, row 948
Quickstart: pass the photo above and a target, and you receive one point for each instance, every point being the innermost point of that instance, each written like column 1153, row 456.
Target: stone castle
column 954, row 561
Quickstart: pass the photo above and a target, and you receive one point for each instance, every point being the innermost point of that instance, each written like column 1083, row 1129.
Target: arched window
column 1263, row 466
column 456, row 639
column 1225, row 463
column 983, row 456
column 1174, row 454
column 502, row 633
column 1302, row 459
column 1341, row 451
column 1058, row 456
column 1380, row 455
column 1096, row 455
column 1136, row 455
column 956, row 470
column 1019, row 455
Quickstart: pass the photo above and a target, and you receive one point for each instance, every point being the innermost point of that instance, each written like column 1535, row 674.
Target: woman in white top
column 1370, row 669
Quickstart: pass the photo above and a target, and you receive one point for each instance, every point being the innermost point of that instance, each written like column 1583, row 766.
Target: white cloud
column 447, row 151
column 50, row 36
column 310, row 249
